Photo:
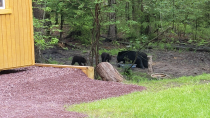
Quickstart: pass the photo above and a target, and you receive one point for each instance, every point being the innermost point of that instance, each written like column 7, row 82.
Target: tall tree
column 112, row 32
column 127, row 14
column 94, row 52
column 38, row 13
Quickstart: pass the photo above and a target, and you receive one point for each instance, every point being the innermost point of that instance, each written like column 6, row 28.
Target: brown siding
column 16, row 35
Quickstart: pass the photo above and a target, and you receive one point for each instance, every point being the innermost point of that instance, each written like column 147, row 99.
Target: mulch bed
column 42, row 92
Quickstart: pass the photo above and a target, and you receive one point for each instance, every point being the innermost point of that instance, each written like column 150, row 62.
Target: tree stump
column 108, row 73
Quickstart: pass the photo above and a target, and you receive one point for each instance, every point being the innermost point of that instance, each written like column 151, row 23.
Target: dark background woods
column 139, row 24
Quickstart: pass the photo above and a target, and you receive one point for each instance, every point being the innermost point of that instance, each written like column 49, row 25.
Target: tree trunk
column 37, row 10
column 147, row 19
column 38, row 13
column 133, row 11
column 94, row 51
column 127, row 11
column 108, row 73
column 141, row 16
column 61, row 27
column 48, row 24
column 173, row 15
column 56, row 17
column 112, row 32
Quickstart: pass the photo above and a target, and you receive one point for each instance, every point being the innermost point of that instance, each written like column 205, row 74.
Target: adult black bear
column 105, row 57
column 141, row 61
column 79, row 60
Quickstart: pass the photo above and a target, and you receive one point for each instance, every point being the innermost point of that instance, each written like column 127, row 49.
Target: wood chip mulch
column 42, row 92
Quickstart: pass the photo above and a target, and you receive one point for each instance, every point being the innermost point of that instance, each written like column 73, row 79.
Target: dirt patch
column 42, row 92
column 204, row 81
column 173, row 63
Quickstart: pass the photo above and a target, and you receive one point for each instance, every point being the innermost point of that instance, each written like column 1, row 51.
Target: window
column 2, row 4
column 4, row 8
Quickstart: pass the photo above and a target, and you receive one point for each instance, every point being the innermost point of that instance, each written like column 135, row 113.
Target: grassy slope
column 182, row 97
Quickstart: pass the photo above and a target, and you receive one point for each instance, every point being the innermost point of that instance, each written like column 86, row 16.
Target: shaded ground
column 173, row 63
column 42, row 92
column 185, row 63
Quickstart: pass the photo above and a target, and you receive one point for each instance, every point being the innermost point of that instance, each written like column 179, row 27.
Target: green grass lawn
column 187, row 97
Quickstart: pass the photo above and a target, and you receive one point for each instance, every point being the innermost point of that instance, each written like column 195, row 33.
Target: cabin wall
column 16, row 34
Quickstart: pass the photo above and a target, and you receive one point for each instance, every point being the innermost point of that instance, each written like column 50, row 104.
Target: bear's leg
column 145, row 63
column 73, row 62
column 84, row 64
column 79, row 63
column 108, row 60
column 103, row 60
column 139, row 63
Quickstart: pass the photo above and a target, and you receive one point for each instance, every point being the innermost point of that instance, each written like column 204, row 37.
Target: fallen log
column 108, row 73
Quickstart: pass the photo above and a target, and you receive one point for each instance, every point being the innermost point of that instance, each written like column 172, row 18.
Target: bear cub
column 79, row 59
column 105, row 57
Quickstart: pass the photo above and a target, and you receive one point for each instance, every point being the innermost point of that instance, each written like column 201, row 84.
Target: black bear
column 79, row 60
column 105, row 57
column 141, row 61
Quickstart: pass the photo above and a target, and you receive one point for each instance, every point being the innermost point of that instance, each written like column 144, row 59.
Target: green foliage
column 112, row 51
column 137, row 25
column 169, row 46
column 52, row 61
column 115, row 43
column 42, row 41
column 134, row 77
column 127, row 72
column 65, row 48
column 84, row 51
column 70, row 58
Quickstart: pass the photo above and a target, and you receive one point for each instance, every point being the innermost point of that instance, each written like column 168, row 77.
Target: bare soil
column 175, row 63
column 42, row 92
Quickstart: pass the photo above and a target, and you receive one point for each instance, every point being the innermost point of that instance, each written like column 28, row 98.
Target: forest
column 136, row 24
column 170, row 79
